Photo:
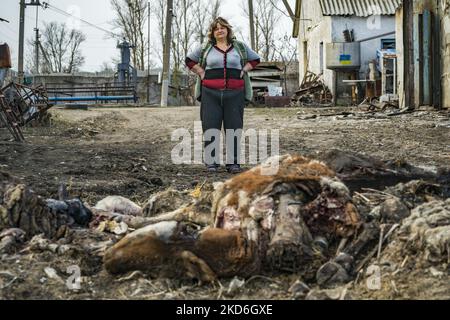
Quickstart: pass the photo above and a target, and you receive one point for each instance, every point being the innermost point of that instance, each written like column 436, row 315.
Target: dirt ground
column 126, row 151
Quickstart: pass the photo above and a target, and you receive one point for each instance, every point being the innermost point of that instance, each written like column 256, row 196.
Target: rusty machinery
column 20, row 104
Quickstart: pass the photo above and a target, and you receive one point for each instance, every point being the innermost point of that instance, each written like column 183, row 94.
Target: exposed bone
column 376, row 249
column 255, row 225
column 291, row 237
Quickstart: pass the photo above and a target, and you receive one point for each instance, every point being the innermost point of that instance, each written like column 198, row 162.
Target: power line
column 14, row 32
column 8, row 36
column 55, row 9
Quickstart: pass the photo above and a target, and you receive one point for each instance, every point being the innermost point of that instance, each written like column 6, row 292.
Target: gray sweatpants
column 222, row 107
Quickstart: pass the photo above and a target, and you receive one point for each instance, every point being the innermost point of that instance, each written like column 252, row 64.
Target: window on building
column 387, row 43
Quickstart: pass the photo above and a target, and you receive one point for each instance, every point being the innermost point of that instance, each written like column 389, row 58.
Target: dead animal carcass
column 259, row 222
column 21, row 207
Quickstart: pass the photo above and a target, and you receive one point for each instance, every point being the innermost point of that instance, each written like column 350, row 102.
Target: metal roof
column 359, row 8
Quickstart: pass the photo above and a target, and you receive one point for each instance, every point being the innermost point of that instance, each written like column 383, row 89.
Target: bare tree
column 160, row 12
column 285, row 49
column 189, row 29
column 74, row 42
column 107, row 68
column 131, row 18
column 266, row 19
column 200, row 20
column 215, row 9
column 205, row 12
column 60, row 48
column 190, row 25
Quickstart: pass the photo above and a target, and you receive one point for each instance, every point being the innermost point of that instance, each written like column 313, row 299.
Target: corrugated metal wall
column 360, row 8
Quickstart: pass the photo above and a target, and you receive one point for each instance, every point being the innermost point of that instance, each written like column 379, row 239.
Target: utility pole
column 36, row 51
column 252, row 24
column 23, row 5
column 148, row 53
column 257, row 35
column 166, row 58
column 21, row 39
column 36, row 44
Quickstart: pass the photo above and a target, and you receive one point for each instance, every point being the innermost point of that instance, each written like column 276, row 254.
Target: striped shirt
column 223, row 68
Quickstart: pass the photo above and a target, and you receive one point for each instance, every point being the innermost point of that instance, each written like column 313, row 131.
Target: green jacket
column 240, row 47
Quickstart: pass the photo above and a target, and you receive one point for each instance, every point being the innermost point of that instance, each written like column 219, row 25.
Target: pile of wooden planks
column 312, row 92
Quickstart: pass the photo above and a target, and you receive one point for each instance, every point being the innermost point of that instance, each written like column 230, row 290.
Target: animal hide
column 259, row 221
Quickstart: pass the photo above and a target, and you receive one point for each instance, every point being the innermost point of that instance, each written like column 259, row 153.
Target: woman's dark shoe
column 212, row 168
column 234, row 169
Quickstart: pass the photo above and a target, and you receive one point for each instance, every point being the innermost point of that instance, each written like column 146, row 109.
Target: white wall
column 330, row 29
column 316, row 31
column 364, row 28
column 400, row 57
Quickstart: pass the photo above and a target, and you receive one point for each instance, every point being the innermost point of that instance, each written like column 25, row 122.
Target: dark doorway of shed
column 421, row 46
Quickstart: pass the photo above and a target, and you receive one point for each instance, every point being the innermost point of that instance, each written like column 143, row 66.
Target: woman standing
column 223, row 86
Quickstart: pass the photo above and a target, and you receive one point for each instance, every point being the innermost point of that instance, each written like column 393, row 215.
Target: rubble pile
column 305, row 221
column 312, row 92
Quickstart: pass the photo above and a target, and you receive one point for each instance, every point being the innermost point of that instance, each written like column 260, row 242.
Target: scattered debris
column 299, row 289
column 235, row 285
column 21, row 207
column 429, row 228
column 302, row 220
column 331, row 274
column 40, row 243
column 6, row 279
column 312, row 92
column 10, row 238
column 165, row 201
column 117, row 228
column 340, row 293
column 359, row 171
column 132, row 276
column 52, row 274
column 393, row 210
column 19, row 105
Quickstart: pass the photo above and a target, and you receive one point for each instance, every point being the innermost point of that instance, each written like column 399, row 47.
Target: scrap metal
column 312, row 92
column 19, row 105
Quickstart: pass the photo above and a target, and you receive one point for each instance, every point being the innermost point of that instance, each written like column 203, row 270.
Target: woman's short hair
column 223, row 23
